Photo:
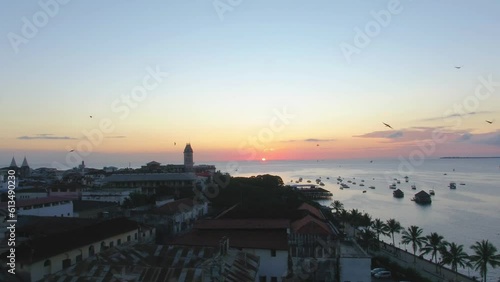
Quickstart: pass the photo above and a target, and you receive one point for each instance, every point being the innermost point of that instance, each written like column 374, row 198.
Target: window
column 273, row 253
column 78, row 258
column 91, row 251
column 262, row 279
column 274, row 279
column 118, row 242
column 66, row 263
column 111, row 244
column 128, row 238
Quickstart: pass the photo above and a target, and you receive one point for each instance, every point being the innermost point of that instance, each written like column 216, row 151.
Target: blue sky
column 228, row 74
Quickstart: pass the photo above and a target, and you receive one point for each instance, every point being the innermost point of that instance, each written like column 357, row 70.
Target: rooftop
column 175, row 207
column 267, row 224
column 243, row 238
column 159, row 263
column 150, row 177
column 312, row 210
column 79, row 205
column 46, row 246
column 311, row 225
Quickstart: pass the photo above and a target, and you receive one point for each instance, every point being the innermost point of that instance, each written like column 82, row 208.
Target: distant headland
column 498, row 157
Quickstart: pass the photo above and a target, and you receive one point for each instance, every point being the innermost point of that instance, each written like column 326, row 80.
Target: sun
column 263, row 159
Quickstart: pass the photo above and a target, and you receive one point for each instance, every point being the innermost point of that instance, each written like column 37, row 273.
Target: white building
column 265, row 238
column 48, row 206
column 46, row 255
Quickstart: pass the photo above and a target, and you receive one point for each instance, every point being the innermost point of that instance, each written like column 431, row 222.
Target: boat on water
column 308, row 181
column 432, row 193
column 300, row 179
column 372, row 187
column 406, row 178
column 321, row 184
column 392, row 186
column 364, row 191
column 398, row 193
column 453, row 185
column 413, row 187
column 399, row 182
column 354, row 183
column 422, row 198
column 343, row 185
column 461, row 183
column 361, row 184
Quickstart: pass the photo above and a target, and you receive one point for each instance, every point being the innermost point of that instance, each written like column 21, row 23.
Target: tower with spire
column 13, row 164
column 188, row 158
column 25, row 168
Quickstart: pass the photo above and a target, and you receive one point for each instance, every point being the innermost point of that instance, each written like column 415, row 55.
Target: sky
column 117, row 82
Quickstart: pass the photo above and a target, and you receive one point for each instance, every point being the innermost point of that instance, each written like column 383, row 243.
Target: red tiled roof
column 252, row 239
column 311, row 225
column 243, row 224
column 312, row 210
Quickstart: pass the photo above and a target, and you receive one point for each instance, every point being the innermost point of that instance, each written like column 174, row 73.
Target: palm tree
column 355, row 219
column 343, row 217
column 393, row 226
column 485, row 253
column 414, row 236
column 365, row 220
column 337, row 206
column 433, row 243
column 368, row 239
column 380, row 228
column 454, row 256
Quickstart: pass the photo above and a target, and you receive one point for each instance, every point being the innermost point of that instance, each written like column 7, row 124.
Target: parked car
column 377, row 270
column 383, row 274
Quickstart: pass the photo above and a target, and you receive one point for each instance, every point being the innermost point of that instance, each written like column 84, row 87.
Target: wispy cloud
column 456, row 115
column 116, row 136
column 309, row 140
column 415, row 134
column 45, row 136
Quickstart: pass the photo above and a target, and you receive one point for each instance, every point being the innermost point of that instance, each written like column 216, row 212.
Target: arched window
column 91, row 250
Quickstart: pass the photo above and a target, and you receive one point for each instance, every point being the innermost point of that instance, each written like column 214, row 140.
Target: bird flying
column 90, row 116
column 458, row 67
column 489, row 121
column 71, row 151
column 388, row 125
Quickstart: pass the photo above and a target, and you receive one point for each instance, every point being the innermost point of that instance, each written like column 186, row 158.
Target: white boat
column 392, row 186
column 372, row 187
column 432, row 193
column 413, row 187
column 343, row 185
column 453, row 185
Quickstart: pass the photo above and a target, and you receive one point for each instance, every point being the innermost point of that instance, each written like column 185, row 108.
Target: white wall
column 270, row 266
column 62, row 209
column 355, row 269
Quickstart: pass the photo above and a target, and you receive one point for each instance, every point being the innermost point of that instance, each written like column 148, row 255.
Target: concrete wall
column 270, row 266
column 355, row 269
column 63, row 209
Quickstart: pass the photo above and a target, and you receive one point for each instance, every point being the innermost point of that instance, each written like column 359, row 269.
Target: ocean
column 465, row 215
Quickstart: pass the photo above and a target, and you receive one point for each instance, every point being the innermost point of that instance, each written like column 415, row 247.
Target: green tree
column 380, row 228
column 393, row 226
column 484, row 254
column 414, row 236
column 454, row 256
column 337, row 206
column 433, row 243
column 355, row 219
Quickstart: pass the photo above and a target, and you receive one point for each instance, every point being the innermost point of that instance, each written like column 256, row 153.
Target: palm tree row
column 485, row 253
